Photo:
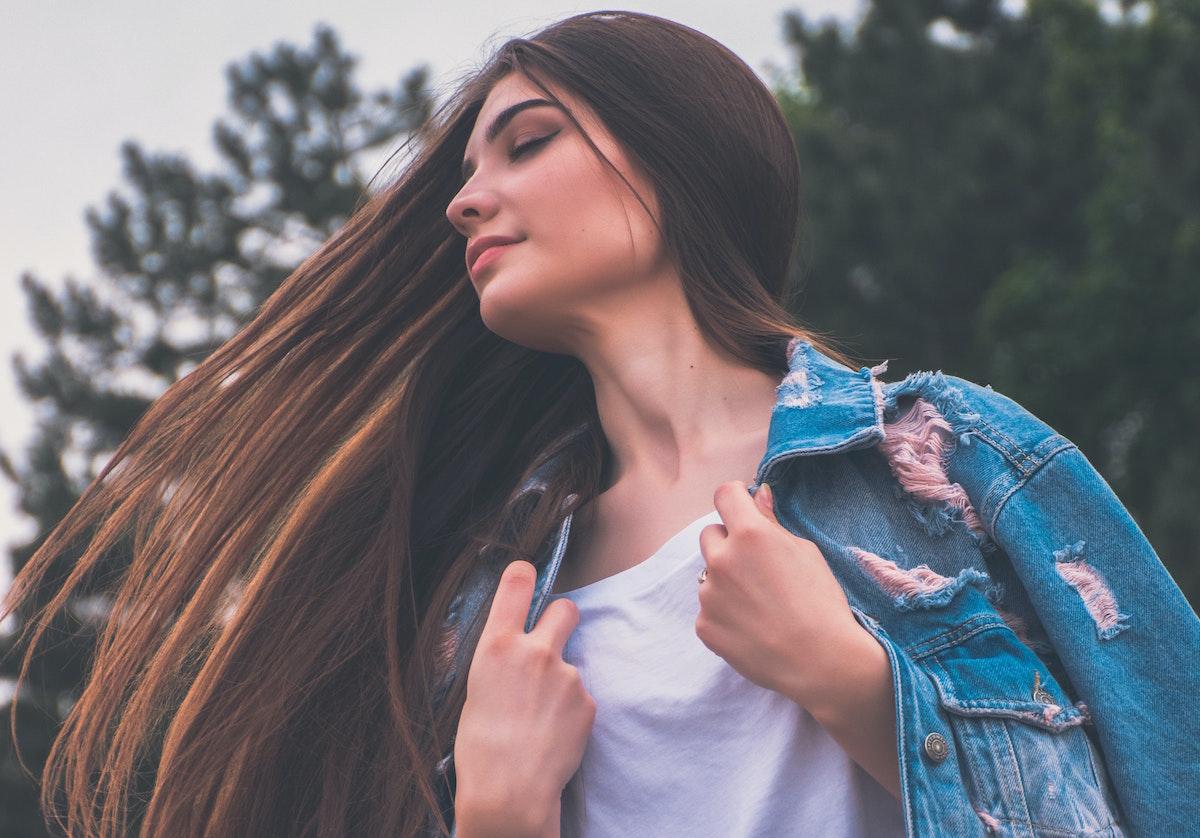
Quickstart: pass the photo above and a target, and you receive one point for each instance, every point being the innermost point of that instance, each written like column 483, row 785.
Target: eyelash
column 520, row 150
column 524, row 147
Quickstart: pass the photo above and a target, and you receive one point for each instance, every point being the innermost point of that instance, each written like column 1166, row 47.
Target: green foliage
column 1016, row 199
column 183, row 260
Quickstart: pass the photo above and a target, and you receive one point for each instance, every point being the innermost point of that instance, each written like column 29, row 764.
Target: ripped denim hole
column 915, row 446
column 799, row 387
column 990, row 823
column 918, row 587
column 1093, row 590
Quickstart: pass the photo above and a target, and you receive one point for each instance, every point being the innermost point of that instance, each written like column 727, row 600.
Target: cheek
column 593, row 241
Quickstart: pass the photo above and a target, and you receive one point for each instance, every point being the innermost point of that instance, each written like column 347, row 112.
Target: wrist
column 481, row 817
column 853, row 664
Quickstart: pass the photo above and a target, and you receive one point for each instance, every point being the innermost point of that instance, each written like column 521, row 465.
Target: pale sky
column 78, row 78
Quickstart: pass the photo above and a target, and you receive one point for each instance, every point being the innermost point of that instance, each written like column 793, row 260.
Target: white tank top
column 682, row 744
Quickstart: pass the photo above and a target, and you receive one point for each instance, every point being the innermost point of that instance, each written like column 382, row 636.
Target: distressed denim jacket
column 1044, row 662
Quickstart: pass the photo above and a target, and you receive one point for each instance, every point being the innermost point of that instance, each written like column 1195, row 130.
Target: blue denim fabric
column 1022, row 708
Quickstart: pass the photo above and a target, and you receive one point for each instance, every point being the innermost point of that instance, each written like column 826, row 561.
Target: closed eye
column 521, row 150
column 524, row 147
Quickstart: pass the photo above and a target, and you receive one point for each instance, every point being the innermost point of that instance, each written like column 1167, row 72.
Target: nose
column 471, row 207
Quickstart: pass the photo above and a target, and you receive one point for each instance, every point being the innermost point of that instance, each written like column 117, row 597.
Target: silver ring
column 703, row 575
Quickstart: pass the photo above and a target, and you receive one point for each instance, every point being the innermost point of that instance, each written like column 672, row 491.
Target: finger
column 514, row 595
column 711, row 536
column 735, row 505
column 558, row 620
column 764, row 498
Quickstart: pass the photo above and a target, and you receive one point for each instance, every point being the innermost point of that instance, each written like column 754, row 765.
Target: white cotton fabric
column 682, row 744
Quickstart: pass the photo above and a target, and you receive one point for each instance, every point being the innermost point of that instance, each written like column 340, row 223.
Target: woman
column 352, row 524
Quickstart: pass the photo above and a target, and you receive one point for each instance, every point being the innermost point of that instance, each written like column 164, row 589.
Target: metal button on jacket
column 1039, row 692
column 936, row 747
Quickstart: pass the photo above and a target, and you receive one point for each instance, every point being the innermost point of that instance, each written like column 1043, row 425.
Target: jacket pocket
column 1029, row 765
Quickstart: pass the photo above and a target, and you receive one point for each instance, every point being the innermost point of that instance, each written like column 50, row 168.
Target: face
column 584, row 239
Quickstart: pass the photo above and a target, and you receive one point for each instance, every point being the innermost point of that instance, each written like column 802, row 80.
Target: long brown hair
column 295, row 516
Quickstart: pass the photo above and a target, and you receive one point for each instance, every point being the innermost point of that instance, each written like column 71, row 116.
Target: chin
column 518, row 316
column 503, row 309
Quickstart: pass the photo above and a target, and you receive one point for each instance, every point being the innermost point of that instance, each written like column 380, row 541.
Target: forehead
column 511, row 88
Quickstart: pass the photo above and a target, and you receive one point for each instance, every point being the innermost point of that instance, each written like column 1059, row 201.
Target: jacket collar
column 822, row 406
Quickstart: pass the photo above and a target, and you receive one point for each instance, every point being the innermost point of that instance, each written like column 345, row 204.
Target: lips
column 476, row 248
column 488, row 256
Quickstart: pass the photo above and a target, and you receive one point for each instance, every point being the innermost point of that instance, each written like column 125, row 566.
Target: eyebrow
column 502, row 119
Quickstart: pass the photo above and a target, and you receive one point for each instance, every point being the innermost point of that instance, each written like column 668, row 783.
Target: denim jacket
column 1043, row 660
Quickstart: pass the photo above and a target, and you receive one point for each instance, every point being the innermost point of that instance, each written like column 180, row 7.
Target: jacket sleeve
column 1126, row 635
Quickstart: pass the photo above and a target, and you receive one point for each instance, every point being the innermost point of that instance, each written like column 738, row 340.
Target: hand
column 527, row 716
column 770, row 605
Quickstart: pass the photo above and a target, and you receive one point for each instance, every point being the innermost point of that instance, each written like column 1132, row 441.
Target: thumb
column 764, row 499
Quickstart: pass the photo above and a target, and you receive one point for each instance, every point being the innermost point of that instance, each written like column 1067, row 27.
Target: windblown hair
column 293, row 518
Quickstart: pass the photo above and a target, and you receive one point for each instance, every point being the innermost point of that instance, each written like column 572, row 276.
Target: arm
column 857, row 706
column 1125, row 634
column 1127, row 637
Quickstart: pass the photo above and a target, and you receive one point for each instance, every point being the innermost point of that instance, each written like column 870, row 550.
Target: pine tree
column 1015, row 199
